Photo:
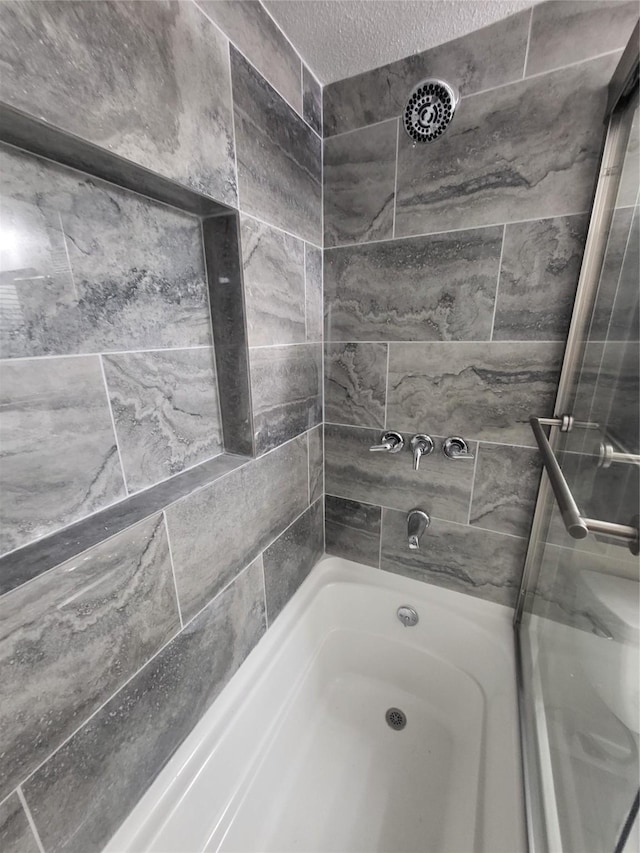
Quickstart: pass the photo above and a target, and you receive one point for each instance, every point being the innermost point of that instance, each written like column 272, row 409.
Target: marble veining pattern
column 316, row 463
column 313, row 283
column 58, row 450
column 456, row 556
column 439, row 287
column 523, row 151
column 286, row 388
column 273, row 265
column 359, row 185
column 15, row 833
column 81, row 795
column 352, row 530
column 94, row 267
column 219, row 529
column 70, row 638
column 288, row 561
column 476, row 390
column 311, row 100
column 538, row 278
column 382, row 93
column 149, row 81
column 355, row 377
column 351, row 471
column 279, row 156
column 166, row 412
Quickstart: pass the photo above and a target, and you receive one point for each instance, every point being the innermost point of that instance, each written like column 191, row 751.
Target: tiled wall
column 450, row 273
column 110, row 410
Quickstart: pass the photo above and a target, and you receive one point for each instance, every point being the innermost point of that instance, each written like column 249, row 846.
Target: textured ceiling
column 340, row 38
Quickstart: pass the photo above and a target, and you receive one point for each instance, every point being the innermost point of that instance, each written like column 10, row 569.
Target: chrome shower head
column 429, row 110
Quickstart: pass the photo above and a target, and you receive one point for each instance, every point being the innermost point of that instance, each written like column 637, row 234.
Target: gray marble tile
column 311, row 100
column 32, row 560
column 352, row 530
column 612, row 264
column 83, row 793
column 440, row 287
column 456, row 556
column 355, row 378
column 59, row 455
column 476, row 390
column 253, row 31
column 288, row 561
column 484, row 58
column 573, row 30
column 505, row 488
column 353, row 472
column 539, row 272
column 279, row 156
column 135, row 78
column 359, row 184
column 70, row 638
column 16, row 835
column 316, row 463
column 525, row 151
column 630, row 175
column 95, row 267
column 166, row 412
column 221, row 235
column 313, row 280
column 218, row 530
column 286, row 388
column 273, row 265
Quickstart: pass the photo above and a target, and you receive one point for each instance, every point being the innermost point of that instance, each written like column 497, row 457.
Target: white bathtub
column 296, row 754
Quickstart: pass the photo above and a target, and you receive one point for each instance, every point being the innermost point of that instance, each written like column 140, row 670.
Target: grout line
column 304, row 275
column 437, row 435
column 495, row 300
column 30, row 820
column 386, row 386
column 213, row 348
column 281, row 346
column 473, row 481
column 105, row 352
column 295, row 49
column 283, row 230
column 264, row 591
column 173, row 568
column 395, row 184
column 361, row 127
column 233, row 118
column 442, row 343
column 113, row 425
column 526, row 53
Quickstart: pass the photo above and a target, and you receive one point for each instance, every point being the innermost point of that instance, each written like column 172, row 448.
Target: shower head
column 429, row 110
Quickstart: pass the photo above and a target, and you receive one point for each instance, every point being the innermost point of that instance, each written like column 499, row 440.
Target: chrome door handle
column 390, row 442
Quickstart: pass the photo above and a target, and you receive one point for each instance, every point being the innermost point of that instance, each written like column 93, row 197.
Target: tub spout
column 417, row 523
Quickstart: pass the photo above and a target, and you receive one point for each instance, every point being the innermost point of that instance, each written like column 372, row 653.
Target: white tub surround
column 296, row 754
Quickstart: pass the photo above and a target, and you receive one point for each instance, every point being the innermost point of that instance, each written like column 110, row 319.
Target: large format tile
column 440, row 287
column 70, row 638
column 288, row 561
column 286, row 388
column 149, row 81
column 505, row 488
column 316, row 463
column 273, row 264
column 254, row 32
column 476, row 390
column 166, row 413
column 523, row 151
column 15, row 833
column 355, row 377
column 83, row 793
column 487, row 57
column 456, row 556
column 352, row 530
column 58, row 450
column 441, row 486
column 359, row 184
column 539, row 272
column 313, row 285
column 218, row 530
column 94, row 267
column 572, row 30
column 311, row 100
column 279, row 156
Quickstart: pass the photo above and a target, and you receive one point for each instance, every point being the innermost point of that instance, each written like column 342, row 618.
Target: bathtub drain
column 396, row 719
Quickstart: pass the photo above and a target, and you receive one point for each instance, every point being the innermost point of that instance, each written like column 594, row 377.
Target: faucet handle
column 390, row 442
column 455, row 447
column 421, row 445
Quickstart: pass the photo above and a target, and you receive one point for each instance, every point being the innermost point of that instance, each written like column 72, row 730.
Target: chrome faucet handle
column 421, row 445
column 455, row 448
column 390, row 442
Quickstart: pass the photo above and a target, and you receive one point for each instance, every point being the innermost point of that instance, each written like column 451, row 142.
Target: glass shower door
column 578, row 623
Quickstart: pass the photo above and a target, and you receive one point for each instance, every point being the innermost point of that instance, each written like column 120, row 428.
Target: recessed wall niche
column 122, row 331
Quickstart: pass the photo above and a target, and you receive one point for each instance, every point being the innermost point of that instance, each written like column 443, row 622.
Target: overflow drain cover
column 396, row 719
